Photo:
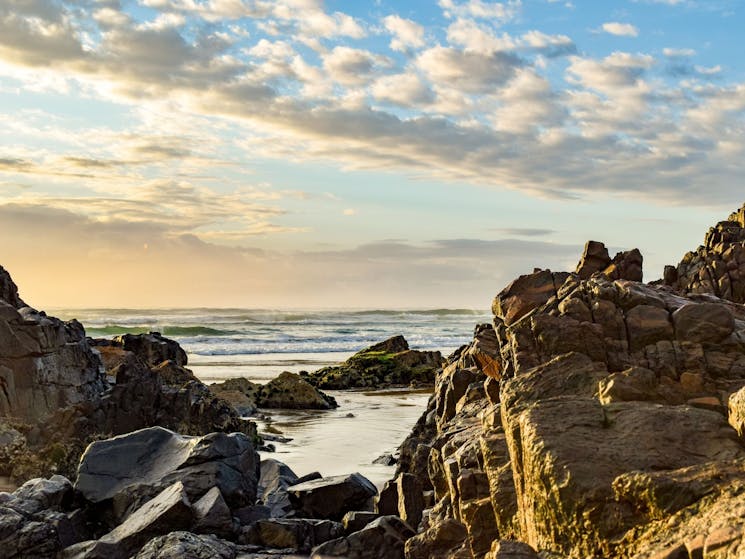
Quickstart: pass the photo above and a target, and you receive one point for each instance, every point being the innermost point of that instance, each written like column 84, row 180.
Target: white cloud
column 495, row 11
column 406, row 90
column 678, row 53
column 350, row 66
column 620, row 29
column 406, row 33
column 470, row 71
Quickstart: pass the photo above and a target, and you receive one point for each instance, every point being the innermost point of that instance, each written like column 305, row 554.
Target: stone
column 410, row 499
column 331, row 497
column 274, row 480
column 595, row 258
column 299, row 534
column 647, row 324
column 703, row 323
column 437, row 542
column 526, row 293
column 123, row 472
column 504, row 549
column 384, row 537
column 386, row 503
column 168, row 511
column 290, row 391
column 736, row 416
column 386, row 459
column 241, row 393
column 388, row 363
column 212, row 515
column 43, row 494
column 153, row 348
column 185, row 545
column 356, row 520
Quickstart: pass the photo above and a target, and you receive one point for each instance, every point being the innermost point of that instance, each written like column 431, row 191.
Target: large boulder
column 152, row 348
column 274, row 481
column 121, row 473
column 387, row 363
column 331, row 497
column 168, row 511
column 384, row 537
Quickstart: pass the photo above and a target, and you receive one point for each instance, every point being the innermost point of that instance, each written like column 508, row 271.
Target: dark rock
column 595, row 258
column 438, row 541
column 275, row 478
column 386, row 503
column 503, row 549
column 9, row 290
column 287, row 391
column 331, row 497
column 384, row 537
column 185, row 545
column 122, row 473
column 300, row 534
column 152, row 348
column 355, row 521
column 212, row 515
column 385, row 364
column 386, row 459
column 168, row 511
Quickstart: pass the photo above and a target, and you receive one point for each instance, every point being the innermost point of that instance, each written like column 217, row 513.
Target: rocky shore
column 595, row 417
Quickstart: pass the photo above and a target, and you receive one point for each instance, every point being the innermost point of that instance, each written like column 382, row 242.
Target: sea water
column 260, row 344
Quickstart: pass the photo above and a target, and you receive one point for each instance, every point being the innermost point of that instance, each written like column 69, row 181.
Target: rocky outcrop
column 611, row 426
column 287, row 391
column 331, row 497
column 388, row 363
column 718, row 266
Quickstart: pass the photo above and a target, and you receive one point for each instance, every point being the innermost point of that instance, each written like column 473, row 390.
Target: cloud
column 350, row 66
column 406, row 33
column 471, row 71
column 525, row 231
column 620, row 29
column 499, row 11
column 405, row 90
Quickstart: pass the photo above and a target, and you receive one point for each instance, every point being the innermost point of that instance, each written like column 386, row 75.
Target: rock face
column 120, row 474
column 611, row 426
column 387, row 363
column 287, row 391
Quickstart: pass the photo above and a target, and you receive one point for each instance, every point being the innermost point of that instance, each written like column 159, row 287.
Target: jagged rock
column 595, row 258
column 185, row 545
column 384, row 537
column 168, row 511
column 331, row 497
column 410, row 499
column 438, row 541
column 299, row 534
column 384, row 364
column 386, row 459
column 212, row 514
column 736, row 415
column 9, row 290
column 274, row 480
column 354, row 521
column 121, row 473
column 152, row 348
column 41, row 494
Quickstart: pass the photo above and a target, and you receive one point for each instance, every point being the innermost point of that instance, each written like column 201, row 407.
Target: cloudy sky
column 302, row 153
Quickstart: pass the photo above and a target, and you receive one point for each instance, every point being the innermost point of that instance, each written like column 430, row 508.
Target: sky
column 356, row 154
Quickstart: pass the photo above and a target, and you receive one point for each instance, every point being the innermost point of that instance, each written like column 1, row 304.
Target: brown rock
column 595, row 258
column 703, row 322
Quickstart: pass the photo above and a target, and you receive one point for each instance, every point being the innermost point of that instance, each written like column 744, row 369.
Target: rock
column 626, row 266
column 152, row 348
column 240, row 392
column 385, row 364
column 167, row 512
column 331, row 497
column 40, row 494
column 526, row 293
column 9, row 290
column 274, row 480
column 290, row 391
column 503, row 549
column 386, row 503
column 438, row 541
column 703, row 323
column 595, row 258
column 386, row 459
column 185, row 545
column 736, row 416
column 123, row 472
column 299, row 534
column 410, row 499
column 354, row 521
column 212, row 515
column 384, row 537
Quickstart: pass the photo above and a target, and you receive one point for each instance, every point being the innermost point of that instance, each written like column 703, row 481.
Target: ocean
column 260, row 344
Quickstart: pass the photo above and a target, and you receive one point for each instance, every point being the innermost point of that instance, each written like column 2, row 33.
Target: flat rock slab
column 331, row 497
